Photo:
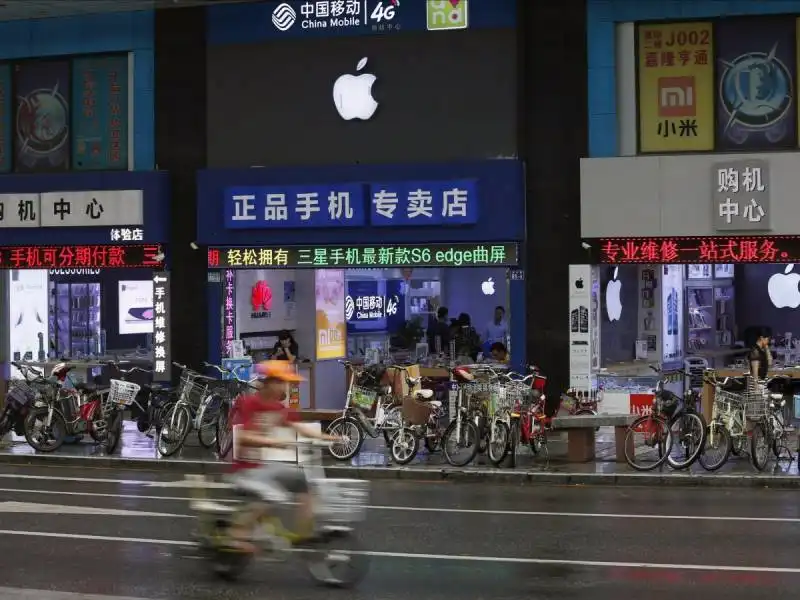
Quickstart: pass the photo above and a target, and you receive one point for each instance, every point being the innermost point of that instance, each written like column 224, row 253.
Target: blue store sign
column 405, row 203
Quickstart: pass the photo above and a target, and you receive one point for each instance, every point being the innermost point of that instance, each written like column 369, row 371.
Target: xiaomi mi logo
column 676, row 97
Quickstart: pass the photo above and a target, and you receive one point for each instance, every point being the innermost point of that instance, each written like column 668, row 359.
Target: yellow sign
column 331, row 326
column 676, row 87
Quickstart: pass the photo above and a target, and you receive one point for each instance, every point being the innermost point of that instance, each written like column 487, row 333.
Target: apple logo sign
column 783, row 288
column 613, row 300
column 352, row 94
column 579, row 283
column 487, row 287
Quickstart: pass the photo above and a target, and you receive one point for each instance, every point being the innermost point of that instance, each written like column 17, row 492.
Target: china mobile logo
column 261, row 299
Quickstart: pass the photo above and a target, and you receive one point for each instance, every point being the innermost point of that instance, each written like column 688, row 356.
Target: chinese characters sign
column 676, row 93
column 339, row 205
column 72, row 209
column 94, row 256
column 229, row 313
column 162, row 361
column 424, row 203
column 126, row 234
column 420, row 203
column 716, row 249
column 366, row 308
column 740, row 198
column 100, row 113
column 410, row 255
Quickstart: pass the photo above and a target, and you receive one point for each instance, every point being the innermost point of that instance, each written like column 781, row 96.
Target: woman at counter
column 286, row 347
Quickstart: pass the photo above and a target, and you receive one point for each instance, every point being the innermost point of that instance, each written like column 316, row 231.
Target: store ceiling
column 12, row 10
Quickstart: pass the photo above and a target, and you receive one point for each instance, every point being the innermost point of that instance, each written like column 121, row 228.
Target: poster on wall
column 580, row 284
column 672, row 323
column 676, row 87
column 100, row 119
column 28, row 328
column 265, row 301
column 756, row 65
column 6, row 110
column 42, row 117
column 135, row 307
column 331, row 328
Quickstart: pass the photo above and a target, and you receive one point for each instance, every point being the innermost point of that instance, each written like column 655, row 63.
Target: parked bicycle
column 461, row 440
column 188, row 411
column 421, row 420
column 673, row 432
column 154, row 401
column 366, row 392
column 21, row 395
column 227, row 392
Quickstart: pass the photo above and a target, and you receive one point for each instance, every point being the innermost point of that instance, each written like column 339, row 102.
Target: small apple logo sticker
column 613, row 300
column 352, row 94
column 579, row 283
column 487, row 287
column 783, row 288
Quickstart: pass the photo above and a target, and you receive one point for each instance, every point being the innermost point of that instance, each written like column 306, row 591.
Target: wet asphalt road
column 430, row 540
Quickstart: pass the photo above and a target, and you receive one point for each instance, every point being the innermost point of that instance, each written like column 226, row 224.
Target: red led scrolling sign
column 684, row 250
column 87, row 256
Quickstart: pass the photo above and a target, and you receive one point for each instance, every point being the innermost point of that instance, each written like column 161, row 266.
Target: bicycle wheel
column 224, row 437
column 392, row 422
column 464, row 438
column 688, row 434
column 717, row 448
column 113, row 432
column 498, row 443
column 513, row 443
column 349, row 430
column 42, row 437
column 404, row 446
column 174, row 430
column 760, row 444
column 207, row 421
column 649, row 435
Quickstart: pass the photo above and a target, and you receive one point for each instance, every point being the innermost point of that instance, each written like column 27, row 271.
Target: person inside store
column 438, row 328
column 760, row 358
column 285, row 348
column 468, row 343
column 499, row 353
column 257, row 419
column 497, row 328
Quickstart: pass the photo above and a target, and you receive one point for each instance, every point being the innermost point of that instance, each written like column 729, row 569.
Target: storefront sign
column 162, row 346
column 367, row 308
column 126, row 234
column 676, row 87
column 716, row 249
column 331, row 329
column 420, row 203
column 580, row 287
column 229, row 313
column 740, row 201
column 336, row 205
column 94, row 256
column 408, row 255
column 72, row 209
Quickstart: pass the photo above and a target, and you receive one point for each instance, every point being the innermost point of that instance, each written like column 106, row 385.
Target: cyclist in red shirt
column 256, row 419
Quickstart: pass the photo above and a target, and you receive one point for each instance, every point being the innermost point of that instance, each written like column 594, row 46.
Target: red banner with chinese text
column 686, row 250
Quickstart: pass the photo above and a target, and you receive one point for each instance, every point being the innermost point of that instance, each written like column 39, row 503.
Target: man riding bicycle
column 257, row 418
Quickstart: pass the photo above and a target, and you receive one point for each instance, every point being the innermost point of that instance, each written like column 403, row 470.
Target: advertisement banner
column 135, row 306
column 100, row 120
column 28, row 324
column 162, row 342
column 6, row 110
column 676, row 87
column 42, row 119
column 756, row 65
column 331, row 327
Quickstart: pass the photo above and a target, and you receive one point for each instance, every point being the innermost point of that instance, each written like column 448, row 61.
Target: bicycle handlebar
column 134, row 370
column 180, row 366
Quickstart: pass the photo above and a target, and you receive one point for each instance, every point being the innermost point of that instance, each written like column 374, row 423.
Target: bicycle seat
column 423, row 394
column 85, row 387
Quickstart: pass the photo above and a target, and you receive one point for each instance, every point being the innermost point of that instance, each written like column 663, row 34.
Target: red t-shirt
column 253, row 413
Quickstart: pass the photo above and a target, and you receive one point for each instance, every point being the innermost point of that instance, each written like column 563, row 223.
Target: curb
column 468, row 475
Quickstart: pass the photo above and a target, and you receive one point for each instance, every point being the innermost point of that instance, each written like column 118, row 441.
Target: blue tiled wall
column 602, row 18
column 114, row 32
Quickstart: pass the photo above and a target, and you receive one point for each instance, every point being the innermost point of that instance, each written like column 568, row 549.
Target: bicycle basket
column 415, row 413
column 362, row 397
column 341, row 500
column 755, row 405
column 122, row 393
column 191, row 390
column 20, row 393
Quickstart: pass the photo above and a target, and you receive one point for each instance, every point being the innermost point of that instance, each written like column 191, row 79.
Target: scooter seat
column 423, row 394
column 434, row 403
column 209, row 506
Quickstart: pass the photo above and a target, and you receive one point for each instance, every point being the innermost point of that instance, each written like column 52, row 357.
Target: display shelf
column 75, row 319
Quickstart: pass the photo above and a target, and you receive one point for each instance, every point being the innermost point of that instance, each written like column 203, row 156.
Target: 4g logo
column 384, row 12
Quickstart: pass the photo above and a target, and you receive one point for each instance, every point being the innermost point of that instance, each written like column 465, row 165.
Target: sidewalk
column 374, row 462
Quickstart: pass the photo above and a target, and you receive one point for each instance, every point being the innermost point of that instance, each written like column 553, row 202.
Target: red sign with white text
column 84, row 256
column 683, row 250
column 641, row 404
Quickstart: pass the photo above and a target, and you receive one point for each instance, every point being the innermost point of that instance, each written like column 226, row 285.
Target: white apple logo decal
column 783, row 288
column 352, row 95
column 487, row 287
column 613, row 300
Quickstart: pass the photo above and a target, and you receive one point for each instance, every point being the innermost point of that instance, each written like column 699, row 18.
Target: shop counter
column 707, row 400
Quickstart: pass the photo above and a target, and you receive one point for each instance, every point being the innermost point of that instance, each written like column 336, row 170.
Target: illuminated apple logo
column 613, row 299
column 783, row 288
column 352, row 94
column 487, row 287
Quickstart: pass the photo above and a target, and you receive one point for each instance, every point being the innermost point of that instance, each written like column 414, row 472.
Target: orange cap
column 278, row 369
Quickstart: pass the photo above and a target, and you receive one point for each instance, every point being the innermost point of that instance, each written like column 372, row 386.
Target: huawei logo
column 261, row 297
